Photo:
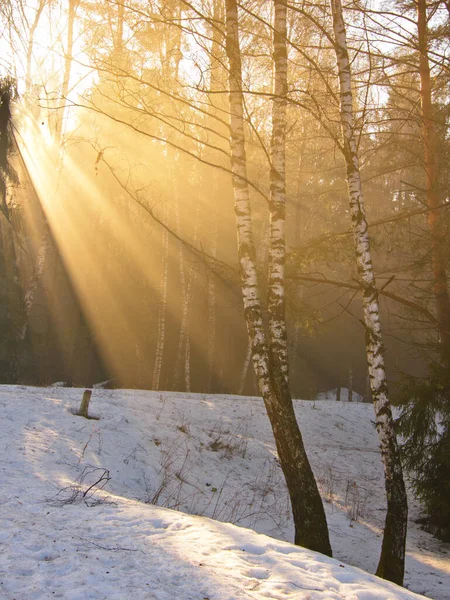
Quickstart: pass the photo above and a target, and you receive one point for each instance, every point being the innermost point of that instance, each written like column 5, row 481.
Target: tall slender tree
column 276, row 303
column 162, row 306
column 433, row 200
column 68, row 58
column 309, row 517
column 392, row 561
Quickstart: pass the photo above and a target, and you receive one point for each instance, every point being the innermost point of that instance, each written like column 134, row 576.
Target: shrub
column 424, row 424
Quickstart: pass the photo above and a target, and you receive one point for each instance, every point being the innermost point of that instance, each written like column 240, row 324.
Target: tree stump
column 84, row 406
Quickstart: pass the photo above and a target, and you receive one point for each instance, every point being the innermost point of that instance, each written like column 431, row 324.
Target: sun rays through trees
column 137, row 138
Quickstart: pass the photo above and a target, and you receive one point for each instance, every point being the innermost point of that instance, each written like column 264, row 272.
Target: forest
column 235, row 197
column 118, row 228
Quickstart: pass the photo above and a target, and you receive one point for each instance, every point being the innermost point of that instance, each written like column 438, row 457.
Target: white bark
column 30, row 44
column 277, row 204
column 261, row 254
column 162, row 309
column 184, row 305
column 309, row 517
column 73, row 4
column 246, row 247
column 211, row 297
column 393, row 553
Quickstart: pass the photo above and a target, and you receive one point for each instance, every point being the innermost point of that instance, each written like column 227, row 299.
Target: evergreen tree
column 425, row 426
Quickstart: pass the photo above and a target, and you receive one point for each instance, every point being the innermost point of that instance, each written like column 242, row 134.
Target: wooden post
column 84, row 406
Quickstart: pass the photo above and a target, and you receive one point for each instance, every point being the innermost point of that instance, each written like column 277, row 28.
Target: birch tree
column 392, row 561
column 218, row 108
column 277, row 207
column 162, row 307
column 68, row 58
column 270, row 362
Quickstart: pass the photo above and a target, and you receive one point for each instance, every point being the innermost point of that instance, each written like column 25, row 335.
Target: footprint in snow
column 46, row 555
column 346, row 577
column 284, row 549
column 158, row 523
column 257, row 573
column 253, row 549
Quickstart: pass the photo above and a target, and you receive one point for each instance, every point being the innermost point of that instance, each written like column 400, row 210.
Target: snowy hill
column 62, row 536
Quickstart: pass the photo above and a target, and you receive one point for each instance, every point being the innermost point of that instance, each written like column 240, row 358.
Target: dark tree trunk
column 439, row 243
column 309, row 517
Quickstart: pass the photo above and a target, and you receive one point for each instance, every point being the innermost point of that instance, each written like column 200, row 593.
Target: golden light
column 85, row 175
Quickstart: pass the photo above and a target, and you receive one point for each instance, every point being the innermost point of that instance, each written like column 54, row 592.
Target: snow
column 331, row 395
column 210, row 456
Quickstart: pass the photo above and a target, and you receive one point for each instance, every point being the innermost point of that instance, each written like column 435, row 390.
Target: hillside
column 211, row 456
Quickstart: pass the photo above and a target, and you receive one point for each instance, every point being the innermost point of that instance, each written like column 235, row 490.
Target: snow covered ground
column 61, row 536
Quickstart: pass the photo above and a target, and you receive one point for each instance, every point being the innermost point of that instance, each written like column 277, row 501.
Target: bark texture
column 277, row 205
column 84, row 406
column 309, row 517
column 392, row 560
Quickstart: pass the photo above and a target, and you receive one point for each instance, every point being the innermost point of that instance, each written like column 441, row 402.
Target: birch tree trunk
column 30, row 43
column 392, row 560
column 162, row 309
column 187, row 286
column 435, row 216
column 218, row 84
column 309, row 517
column 261, row 256
column 277, row 206
column 211, row 298
column 67, row 70
column 184, row 292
